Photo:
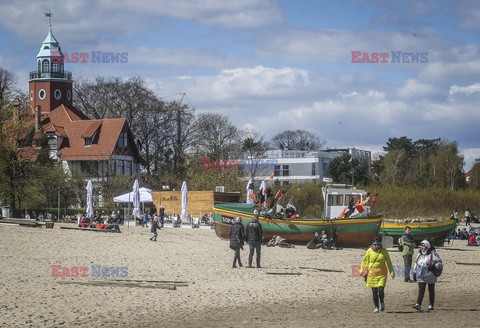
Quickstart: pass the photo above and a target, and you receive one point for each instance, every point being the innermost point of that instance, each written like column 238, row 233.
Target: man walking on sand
column 153, row 230
column 408, row 245
column 254, row 237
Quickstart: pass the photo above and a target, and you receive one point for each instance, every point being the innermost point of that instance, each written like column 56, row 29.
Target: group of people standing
column 253, row 236
column 426, row 268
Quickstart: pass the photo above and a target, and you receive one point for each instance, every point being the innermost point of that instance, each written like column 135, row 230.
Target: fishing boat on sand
column 436, row 230
column 346, row 214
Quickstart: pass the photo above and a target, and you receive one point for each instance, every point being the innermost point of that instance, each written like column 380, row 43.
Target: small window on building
column 55, row 66
column 88, row 142
column 45, row 66
column 52, row 143
column 38, row 143
column 286, row 170
column 123, row 140
column 276, row 169
column 20, row 144
column 313, row 169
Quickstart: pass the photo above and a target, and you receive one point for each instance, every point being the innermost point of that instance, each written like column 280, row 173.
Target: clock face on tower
column 57, row 94
column 69, row 95
column 31, row 94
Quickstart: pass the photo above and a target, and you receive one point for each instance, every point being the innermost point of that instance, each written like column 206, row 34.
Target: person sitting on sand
column 316, row 242
column 279, row 241
column 324, row 238
column 83, row 222
column 472, row 241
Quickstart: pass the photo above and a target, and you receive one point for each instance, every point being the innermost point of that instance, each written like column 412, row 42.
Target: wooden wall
column 199, row 202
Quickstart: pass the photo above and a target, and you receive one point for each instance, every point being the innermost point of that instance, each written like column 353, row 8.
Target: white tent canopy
column 145, row 197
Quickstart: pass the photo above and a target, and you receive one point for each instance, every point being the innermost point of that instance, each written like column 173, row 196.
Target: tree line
column 170, row 135
column 173, row 139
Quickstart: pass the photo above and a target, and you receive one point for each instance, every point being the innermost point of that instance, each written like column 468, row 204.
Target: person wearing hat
column 254, row 237
column 374, row 270
column 426, row 263
column 237, row 237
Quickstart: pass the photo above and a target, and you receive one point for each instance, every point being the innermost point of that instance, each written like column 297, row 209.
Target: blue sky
column 276, row 65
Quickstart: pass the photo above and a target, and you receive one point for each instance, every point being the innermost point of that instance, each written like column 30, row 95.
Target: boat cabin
column 339, row 199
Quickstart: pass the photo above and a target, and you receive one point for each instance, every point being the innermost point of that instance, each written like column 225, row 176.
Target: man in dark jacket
column 153, row 230
column 254, row 237
column 237, row 237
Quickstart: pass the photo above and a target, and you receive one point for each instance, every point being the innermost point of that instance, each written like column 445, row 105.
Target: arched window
column 45, row 66
column 55, row 66
column 39, row 66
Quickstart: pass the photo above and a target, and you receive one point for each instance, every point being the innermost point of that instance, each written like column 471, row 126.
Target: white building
column 298, row 166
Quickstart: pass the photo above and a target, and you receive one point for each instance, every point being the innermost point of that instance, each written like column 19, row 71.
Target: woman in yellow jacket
column 374, row 268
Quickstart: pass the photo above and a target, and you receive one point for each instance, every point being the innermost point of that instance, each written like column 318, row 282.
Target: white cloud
column 470, row 155
column 465, row 90
column 413, row 88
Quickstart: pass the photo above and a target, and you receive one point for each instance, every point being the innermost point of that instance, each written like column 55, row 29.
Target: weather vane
column 49, row 15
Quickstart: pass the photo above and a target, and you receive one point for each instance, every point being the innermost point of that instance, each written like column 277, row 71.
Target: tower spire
column 49, row 15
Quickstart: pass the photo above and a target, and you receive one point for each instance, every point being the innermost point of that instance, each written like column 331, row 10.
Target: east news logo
column 397, row 57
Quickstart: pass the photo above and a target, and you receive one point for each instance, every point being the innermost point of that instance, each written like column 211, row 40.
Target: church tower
column 50, row 85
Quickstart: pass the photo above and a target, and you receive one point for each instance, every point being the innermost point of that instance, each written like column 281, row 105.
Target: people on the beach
column 374, row 268
column 254, row 237
column 316, row 242
column 462, row 234
column 237, row 239
column 427, row 264
column 279, row 241
column 468, row 216
column 472, row 240
column 153, row 230
column 408, row 245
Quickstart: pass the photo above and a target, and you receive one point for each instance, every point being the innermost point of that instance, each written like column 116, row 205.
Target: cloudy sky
column 279, row 64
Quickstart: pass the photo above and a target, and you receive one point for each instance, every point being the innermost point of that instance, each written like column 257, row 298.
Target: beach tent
column 145, row 196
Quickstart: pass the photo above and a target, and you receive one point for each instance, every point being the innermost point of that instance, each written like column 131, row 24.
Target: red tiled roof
column 101, row 148
column 91, row 129
column 71, row 124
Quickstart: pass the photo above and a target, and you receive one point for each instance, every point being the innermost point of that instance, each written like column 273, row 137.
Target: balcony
column 51, row 75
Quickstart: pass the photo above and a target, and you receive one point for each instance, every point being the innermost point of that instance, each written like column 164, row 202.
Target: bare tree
column 216, row 137
column 297, row 140
column 254, row 147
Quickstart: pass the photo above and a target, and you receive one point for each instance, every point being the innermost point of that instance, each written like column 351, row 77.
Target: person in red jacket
column 472, row 241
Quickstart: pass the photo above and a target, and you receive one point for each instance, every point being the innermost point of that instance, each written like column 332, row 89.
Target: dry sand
column 216, row 295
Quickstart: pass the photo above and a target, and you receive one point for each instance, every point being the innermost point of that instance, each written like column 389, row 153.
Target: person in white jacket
column 428, row 266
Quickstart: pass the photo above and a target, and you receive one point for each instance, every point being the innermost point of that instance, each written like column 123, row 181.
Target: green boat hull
column 358, row 232
column 436, row 231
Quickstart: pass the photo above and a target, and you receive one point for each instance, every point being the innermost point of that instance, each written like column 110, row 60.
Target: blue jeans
column 255, row 246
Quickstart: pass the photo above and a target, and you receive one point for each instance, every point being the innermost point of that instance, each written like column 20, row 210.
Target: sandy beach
column 288, row 291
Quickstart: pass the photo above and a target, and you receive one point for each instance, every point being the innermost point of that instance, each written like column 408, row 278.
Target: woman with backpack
column 428, row 266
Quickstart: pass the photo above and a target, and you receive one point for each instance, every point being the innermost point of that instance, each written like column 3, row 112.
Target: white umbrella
column 262, row 190
column 249, row 191
column 89, row 198
column 136, row 199
column 183, row 215
column 145, row 196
